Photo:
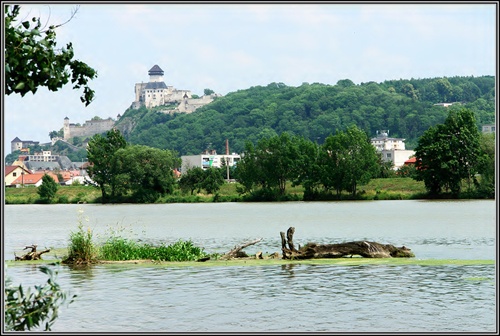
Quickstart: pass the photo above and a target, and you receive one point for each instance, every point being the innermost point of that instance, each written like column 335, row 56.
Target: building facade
column 489, row 128
column 208, row 159
column 18, row 144
column 392, row 149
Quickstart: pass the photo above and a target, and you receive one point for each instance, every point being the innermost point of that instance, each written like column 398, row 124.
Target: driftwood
column 237, row 252
column 364, row 249
column 31, row 255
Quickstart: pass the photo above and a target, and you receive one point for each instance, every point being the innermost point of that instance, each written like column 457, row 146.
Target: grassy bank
column 376, row 189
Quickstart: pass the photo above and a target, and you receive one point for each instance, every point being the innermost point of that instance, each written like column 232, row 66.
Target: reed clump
column 116, row 247
column 81, row 249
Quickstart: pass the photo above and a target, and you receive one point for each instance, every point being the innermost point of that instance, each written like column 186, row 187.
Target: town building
column 392, row 149
column 33, row 179
column 44, row 160
column 446, row 104
column 12, row 173
column 490, row 128
column 208, row 159
column 18, row 144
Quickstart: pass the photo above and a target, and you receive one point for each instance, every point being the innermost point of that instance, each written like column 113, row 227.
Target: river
column 278, row 298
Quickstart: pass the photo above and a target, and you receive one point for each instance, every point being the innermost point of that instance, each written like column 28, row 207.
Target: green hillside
column 404, row 107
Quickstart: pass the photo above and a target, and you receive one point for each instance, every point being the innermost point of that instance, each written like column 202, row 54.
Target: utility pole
column 227, row 159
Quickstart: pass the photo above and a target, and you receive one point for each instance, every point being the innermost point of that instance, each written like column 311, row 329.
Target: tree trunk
column 364, row 249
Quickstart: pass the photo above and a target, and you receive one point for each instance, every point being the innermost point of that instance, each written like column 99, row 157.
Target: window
column 14, row 174
column 388, row 155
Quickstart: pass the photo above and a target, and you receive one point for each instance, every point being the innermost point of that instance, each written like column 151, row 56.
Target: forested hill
column 404, row 107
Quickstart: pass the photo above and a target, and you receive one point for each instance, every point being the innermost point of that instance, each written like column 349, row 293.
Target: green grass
column 65, row 194
column 389, row 188
column 399, row 188
column 118, row 248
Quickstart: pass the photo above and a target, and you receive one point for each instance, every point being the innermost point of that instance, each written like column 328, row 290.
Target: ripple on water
column 264, row 298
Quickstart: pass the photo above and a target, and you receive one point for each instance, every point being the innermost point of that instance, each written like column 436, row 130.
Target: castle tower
column 155, row 74
column 66, row 130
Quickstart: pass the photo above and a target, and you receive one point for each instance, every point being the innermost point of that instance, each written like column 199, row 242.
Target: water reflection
column 288, row 270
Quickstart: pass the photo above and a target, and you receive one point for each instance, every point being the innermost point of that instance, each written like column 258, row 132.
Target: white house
column 392, row 149
column 12, row 173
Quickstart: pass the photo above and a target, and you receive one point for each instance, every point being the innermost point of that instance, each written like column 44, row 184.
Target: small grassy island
column 119, row 251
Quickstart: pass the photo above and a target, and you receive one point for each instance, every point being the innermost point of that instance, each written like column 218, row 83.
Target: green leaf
column 19, row 86
column 26, row 24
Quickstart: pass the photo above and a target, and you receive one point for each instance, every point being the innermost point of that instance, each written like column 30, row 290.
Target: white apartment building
column 392, row 149
column 208, row 159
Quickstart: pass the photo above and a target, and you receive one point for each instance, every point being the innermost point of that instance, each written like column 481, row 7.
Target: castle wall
column 89, row 128
column 139, row 88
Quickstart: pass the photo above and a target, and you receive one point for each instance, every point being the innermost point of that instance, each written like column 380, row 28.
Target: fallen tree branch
column 364, row 249
column 31, row 255
column 236, row 251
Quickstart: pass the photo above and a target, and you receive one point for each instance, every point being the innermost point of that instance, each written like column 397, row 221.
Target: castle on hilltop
column 151, row 94
column 156, row 93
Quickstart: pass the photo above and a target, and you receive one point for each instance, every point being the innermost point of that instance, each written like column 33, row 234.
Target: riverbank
column 376, row 189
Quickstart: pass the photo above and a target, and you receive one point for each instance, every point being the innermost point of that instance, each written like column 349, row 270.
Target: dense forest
column 315, row 111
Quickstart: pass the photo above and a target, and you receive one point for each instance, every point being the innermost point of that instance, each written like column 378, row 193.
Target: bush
column 48, row 189
column 25, row 310
column 63, row 199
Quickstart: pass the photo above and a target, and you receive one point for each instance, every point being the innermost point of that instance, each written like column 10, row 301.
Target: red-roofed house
column 410, row 161
column 13, row 172
column 33, row 179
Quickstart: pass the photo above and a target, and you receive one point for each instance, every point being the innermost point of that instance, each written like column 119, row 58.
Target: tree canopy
column 48, row 189
column 102, row 171
column 145, row 171
column 33, row 60
column 448, row 153
column 313, row 111
column 341, row 163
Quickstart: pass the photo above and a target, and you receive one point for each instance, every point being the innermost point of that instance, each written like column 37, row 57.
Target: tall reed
column 81, row 248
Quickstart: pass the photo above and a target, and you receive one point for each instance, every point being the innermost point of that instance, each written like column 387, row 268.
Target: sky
column 231, row 47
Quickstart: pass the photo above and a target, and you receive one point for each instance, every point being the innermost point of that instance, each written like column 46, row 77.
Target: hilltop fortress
column 157, row 93
column 151, row 94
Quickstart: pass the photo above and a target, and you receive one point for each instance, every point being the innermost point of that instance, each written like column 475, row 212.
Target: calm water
column 288, row 298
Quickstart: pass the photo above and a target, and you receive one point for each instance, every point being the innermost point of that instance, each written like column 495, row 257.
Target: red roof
column 411, row 161
column 10, row 169
column 33, row 178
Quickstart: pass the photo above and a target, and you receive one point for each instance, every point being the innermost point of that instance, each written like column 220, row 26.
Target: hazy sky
column 230, row 47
